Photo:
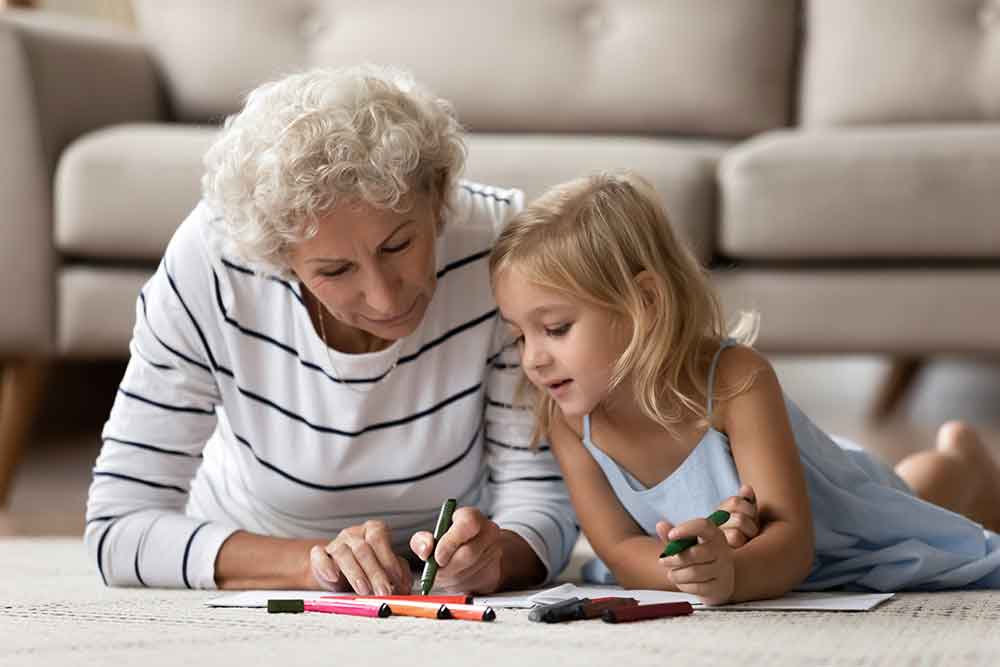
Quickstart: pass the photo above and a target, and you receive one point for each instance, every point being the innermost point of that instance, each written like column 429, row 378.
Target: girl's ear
column 649, row 287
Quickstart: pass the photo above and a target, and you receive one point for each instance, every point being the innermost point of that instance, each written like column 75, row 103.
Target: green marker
column 431, row 566
column 674, row 547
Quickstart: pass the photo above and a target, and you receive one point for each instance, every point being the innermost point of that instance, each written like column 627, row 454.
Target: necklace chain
column 336, row 374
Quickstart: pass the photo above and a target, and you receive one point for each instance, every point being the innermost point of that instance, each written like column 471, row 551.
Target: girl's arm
column 767, row 458
column 756, row 421
column 624, row 547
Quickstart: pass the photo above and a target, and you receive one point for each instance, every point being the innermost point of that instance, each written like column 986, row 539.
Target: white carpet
column 55, row 611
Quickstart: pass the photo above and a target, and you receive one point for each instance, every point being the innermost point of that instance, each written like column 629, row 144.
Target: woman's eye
column 514, row 338
column 560, row 330
column 337, row 272
column 396, row 248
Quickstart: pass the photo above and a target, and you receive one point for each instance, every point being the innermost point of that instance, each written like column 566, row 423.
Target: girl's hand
column 468, row 554
column 361, row 559
column 742, row 525
column 706, row 569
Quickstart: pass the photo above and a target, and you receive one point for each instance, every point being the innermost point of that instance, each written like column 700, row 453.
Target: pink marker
column 344, row 607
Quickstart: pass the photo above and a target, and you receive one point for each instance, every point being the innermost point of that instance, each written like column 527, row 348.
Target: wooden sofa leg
column 21, row 386
column 894, row 387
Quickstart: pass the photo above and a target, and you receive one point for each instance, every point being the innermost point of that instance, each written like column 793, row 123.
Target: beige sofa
column 837, row 162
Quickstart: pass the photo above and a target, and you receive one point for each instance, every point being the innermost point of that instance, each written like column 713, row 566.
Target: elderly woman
column 315, row 366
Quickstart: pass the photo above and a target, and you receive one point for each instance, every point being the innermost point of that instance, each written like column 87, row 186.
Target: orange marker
column 471, row 612
column 418, row 609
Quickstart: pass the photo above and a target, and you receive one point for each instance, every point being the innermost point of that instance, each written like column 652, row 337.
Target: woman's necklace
column 336, row 374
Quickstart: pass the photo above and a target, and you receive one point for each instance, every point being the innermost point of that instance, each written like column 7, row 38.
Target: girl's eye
column 396, row 248
column 558, row 331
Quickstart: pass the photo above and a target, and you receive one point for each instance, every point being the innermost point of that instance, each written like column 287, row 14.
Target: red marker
column 644, row 612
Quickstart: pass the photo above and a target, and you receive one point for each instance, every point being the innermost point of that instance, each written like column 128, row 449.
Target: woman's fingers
column 365, row 559
column 421, row 543
column 377, row 536
column 468, row 554
column 324, row 569
column 346, row 558
column 466, row 533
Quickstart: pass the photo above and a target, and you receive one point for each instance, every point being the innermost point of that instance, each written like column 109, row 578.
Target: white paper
column 529, row 598
column 794, row 601
column 814, row 602
column 260, row 598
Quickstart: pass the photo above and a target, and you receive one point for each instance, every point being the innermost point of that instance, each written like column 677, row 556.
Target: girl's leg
column 959, row 474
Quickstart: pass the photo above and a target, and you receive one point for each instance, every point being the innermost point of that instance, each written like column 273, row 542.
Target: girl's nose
column 535, row 356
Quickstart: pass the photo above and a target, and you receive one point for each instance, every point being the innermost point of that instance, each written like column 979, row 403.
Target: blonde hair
column 303, row 142
column 589, row 239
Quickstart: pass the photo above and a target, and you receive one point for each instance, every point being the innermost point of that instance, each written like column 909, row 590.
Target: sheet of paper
column 530, row 598
column 260, row 598
column 794, row 601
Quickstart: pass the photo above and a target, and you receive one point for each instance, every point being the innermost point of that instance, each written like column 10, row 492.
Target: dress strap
column 726, row 342
column 586, row 428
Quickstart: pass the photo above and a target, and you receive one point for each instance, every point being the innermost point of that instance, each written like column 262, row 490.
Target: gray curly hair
column 303, row 142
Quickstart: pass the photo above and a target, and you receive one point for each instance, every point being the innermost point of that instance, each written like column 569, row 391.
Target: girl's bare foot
column 960, row 440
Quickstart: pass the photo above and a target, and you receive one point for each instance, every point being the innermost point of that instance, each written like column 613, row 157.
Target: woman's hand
column 705, row 569
column 361, row 559
column 742, row 525
column 468, row 555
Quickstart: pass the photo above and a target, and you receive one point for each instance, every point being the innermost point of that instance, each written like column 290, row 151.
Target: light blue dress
column 872, row 533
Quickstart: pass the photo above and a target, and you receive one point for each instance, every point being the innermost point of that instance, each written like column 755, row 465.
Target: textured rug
column 55, row 611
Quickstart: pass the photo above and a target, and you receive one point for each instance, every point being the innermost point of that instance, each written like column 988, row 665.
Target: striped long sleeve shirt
column 232, row 416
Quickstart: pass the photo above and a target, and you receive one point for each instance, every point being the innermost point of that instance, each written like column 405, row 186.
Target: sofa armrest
column 60, row 77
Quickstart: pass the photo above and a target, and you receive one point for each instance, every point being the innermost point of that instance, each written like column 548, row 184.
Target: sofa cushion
column 682, row 171
column 890, row 193
column 683, row 66
column 905, row 311
column 96, row 309
column 883, row 61
column 121, row 192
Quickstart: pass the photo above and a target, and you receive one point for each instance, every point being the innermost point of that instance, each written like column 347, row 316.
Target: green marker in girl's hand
column 674, row 547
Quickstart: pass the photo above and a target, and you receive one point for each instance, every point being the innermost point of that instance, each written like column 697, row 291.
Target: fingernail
column 383, row 590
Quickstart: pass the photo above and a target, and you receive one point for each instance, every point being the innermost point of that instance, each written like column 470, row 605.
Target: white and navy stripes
column 231, row 416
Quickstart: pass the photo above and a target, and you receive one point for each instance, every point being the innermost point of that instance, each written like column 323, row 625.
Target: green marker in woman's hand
column 674, row 547
column 431, row 566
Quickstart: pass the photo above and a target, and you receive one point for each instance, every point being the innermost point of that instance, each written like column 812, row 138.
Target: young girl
column 655, row 415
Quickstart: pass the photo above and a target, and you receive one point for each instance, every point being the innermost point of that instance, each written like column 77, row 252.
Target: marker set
column 455, row 607
column 610, row 609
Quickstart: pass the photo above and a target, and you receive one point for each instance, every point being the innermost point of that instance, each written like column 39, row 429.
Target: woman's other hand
column 705, row 569
column 468, row 555
column 361, row 559
column 742, row 525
